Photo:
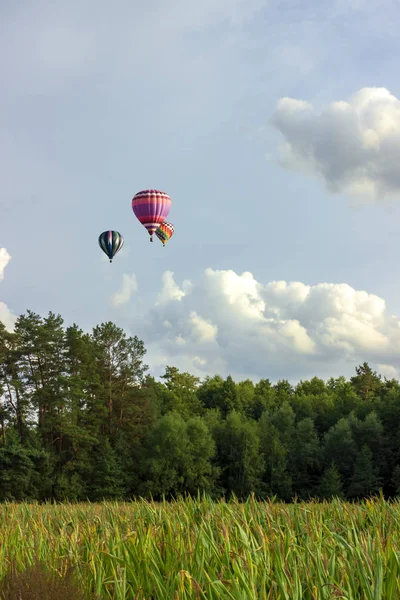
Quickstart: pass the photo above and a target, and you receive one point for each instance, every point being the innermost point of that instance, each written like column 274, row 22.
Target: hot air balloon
column 151, row 207
column 111, row 242
column 165, row 232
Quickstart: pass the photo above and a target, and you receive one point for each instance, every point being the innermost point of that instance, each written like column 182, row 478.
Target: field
column 204, row 550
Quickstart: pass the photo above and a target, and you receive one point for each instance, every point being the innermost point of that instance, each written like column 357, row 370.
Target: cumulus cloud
column 170, row 290
column 126, row 291
column 6, row 315
column 231, row 323
column 388, row 371
column 353, row 145
column 4, row 260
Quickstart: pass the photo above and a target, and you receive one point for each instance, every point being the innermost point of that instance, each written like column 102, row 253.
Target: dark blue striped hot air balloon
column 111, row 242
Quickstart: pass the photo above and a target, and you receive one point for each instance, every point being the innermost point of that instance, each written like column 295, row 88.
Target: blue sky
column 100, row 100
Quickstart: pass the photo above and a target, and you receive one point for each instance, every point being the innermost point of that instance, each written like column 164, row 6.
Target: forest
column 81, row 419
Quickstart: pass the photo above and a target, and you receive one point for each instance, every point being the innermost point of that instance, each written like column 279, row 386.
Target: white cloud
column 128, row 288
column 354, row 145
column 231, row 323
column 4, row 260
column 388, row 371
column 6, row 315
column 170, row 291
column 203, row 330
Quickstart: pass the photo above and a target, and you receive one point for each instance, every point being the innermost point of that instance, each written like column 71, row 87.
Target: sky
column 274, row 126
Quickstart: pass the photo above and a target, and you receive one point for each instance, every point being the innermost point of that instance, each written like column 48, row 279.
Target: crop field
column 198, row 549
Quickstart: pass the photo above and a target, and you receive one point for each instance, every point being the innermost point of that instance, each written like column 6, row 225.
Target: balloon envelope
column 165, row 232
column 151, row 207
column 111, row 242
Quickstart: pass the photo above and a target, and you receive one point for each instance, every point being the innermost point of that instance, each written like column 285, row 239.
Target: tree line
column 81, row 419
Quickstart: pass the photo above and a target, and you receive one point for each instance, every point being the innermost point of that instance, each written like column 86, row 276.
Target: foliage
column 81, row 419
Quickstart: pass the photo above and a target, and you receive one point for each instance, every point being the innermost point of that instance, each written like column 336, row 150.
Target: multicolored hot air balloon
column 111, row 242
column 151, row 207
column 165, row 232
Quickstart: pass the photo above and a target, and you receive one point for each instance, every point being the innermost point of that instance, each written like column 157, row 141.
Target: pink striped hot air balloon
column 151, row 207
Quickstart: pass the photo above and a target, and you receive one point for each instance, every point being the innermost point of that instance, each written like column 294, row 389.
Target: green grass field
column 204, row 550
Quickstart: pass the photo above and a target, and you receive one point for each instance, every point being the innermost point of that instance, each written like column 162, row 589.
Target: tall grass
column 197, row 549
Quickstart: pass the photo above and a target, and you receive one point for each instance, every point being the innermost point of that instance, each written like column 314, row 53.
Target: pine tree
column 367, row 382
column 331, row 483
column 365, row 480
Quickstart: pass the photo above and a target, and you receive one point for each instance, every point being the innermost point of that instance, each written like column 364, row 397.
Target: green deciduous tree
column 239, row 455
column 179, row 455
